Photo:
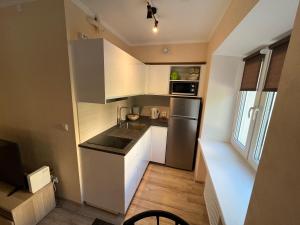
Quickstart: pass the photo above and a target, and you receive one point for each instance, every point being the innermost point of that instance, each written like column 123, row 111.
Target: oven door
column 184, row 88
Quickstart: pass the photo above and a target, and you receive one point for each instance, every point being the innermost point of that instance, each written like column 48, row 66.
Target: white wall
column 96, row 118
column 223, row 84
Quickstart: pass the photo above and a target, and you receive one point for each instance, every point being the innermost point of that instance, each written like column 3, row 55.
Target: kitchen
column 132, row 115
column 167, row 137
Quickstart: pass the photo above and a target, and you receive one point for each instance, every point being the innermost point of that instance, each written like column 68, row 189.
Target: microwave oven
column 188, row 88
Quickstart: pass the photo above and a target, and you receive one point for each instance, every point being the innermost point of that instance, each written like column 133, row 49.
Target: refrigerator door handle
column 184, row 117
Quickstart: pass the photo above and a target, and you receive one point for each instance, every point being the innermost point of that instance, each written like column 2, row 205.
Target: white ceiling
column 267, row 22
column 180, row 21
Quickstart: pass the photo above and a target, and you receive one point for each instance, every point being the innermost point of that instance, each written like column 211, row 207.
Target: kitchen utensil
column 163, row 114
column 133, row 117
column 194, row 76
column 154, row 113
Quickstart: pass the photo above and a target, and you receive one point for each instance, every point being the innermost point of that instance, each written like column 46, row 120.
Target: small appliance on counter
column 154, row 113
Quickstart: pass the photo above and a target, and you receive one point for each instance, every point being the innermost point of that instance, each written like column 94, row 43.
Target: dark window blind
column 279, row 50
column 251, row 72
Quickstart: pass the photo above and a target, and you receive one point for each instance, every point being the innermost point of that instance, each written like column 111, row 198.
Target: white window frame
column 248, row 151
column 251, row 158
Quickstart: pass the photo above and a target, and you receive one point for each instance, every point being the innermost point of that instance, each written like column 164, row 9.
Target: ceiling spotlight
column 151, row 11
column 155, row 28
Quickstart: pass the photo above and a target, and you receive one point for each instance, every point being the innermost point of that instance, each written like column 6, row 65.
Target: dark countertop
column 123, row 132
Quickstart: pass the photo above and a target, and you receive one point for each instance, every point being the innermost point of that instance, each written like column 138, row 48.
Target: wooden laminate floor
column 171, row 190
column 162, row 188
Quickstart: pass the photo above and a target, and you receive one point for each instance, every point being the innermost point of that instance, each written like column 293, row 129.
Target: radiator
column 211, row 202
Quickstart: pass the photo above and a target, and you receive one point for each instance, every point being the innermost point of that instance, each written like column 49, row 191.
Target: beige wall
column 35, row 91
column 194, row 52
column 276, row 194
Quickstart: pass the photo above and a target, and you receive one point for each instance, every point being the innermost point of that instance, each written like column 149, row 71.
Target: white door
column 158, row 144
column 158, row 78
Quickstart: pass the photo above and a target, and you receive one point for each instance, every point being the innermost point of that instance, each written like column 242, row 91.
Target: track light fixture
column 151, row 11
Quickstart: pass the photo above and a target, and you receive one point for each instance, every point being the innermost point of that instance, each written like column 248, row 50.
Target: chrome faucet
column 119, row 114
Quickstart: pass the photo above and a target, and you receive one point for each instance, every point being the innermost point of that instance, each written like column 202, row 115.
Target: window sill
column 232, row 178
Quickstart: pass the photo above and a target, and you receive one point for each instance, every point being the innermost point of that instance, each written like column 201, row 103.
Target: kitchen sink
column 134, row 126
column 110, row 141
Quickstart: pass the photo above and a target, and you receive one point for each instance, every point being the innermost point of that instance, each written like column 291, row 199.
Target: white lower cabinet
column 158, row 144
column 136, row 162
column 109, row 180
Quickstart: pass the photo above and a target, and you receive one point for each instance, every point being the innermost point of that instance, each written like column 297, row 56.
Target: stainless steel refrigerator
column 182, row 132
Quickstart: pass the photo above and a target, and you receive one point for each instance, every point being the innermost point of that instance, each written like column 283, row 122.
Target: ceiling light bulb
column 155, row 28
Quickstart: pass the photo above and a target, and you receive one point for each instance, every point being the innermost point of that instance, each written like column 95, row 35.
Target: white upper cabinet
column 103, row 71
column 157, row 79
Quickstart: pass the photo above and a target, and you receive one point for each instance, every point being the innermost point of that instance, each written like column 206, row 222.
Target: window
column 256, row 100
column 266, row 116
column 247, row 99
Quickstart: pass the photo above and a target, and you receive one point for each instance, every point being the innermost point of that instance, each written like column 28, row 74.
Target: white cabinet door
column 103, row 180
column 157, row 81
column 148, row 145
column 136, row 162
column 103, row 71
column 158, row 144
column 146, row 150
column 131, row 173
column 124, row 74
column 137, row 77
column 117, row 71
